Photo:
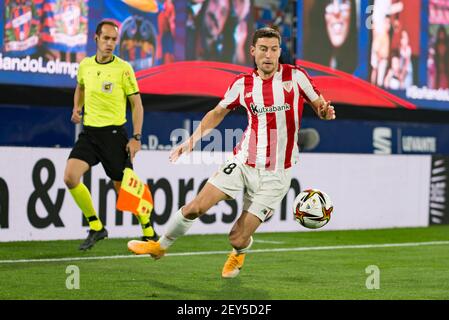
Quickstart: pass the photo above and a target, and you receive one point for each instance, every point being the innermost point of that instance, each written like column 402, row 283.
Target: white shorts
column 263, row 189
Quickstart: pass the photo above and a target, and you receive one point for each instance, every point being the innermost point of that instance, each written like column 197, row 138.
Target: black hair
column 102, row 23
column 266, row 32
column 395, row 53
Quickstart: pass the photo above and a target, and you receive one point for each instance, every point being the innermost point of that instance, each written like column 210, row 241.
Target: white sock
column 177, row 226
column 244, row 250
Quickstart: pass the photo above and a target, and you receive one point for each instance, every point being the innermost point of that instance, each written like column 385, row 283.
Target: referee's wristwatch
column 137, row 137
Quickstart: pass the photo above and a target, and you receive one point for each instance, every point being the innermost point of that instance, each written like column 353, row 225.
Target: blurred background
column 384, row 64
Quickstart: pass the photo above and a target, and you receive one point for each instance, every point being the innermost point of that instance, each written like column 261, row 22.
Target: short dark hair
column 266, row 32
column 102, row 23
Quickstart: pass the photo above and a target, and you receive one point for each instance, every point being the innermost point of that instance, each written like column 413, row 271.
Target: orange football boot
column 152, row 248
column 232, row 267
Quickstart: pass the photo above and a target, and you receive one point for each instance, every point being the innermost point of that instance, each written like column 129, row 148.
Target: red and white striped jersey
column 274, row 109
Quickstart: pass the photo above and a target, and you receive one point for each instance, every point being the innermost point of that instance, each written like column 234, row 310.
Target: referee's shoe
column 92, row 238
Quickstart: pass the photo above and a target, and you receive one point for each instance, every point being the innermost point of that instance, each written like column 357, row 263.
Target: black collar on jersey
column 113, row 58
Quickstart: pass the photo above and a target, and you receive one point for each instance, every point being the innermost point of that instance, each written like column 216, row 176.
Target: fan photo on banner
column 335, row 23
column 219, row 30
column 395, row 45
column 438, row 45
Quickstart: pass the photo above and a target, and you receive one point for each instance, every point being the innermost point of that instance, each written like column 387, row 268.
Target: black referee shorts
column 106, row 145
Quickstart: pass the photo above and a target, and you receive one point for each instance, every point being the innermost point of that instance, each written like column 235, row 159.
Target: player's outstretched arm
column 212, row 119
column 323, row 109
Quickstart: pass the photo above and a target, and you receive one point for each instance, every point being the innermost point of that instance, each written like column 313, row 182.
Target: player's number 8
column 228, row 169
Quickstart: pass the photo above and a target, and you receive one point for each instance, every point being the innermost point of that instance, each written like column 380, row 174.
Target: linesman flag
column 134, row 196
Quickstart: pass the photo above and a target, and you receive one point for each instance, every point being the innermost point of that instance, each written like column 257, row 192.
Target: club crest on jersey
column 255, row 109
column 288, row 85
column 106, row 87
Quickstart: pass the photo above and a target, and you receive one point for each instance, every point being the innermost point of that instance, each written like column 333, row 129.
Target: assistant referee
column 104, row 83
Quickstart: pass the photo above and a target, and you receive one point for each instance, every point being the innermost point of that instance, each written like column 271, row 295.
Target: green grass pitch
column 412, row 264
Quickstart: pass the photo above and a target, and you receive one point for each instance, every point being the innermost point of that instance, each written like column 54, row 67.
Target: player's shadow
column 229, row 289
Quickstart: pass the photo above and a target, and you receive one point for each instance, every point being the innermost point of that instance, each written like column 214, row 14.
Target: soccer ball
column 312, row 208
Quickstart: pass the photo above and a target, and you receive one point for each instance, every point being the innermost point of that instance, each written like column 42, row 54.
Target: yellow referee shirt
column 106, row 87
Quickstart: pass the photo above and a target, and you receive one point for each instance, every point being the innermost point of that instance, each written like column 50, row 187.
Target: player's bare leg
column 180, row 222
column 241, row 240
column 209, row 196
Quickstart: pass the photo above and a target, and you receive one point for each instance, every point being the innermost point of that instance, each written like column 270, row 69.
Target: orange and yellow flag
column 134, row 195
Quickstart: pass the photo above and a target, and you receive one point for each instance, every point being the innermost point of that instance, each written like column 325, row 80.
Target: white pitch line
column 361, row 246
column 269, row 241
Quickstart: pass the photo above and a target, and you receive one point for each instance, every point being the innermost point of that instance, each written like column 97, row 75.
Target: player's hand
column 76, row 116
column 185, row 147
column 327, row 111
column 133, row 147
